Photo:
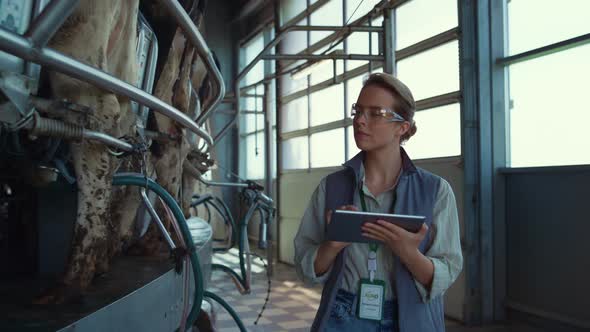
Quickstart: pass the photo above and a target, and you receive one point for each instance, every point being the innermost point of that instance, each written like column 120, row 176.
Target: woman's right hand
column 336, row 245
column 328, row 250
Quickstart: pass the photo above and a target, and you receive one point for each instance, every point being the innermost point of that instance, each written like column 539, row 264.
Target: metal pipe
column 267, row 139
column 366, row 57
column 55, row 128
column 22, row 47
column 157, row 219
column 193, row 34
column 49, row 21
column 388, row 42
column 108, row 140
column 268, row 202
column 339, row 28
column 192, row 171
column 278, row 158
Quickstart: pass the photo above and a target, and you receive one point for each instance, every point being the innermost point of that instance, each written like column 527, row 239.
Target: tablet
column 346, row 225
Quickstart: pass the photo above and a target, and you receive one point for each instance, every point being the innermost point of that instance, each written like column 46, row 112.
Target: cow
column 101, row 34
column 181, row 72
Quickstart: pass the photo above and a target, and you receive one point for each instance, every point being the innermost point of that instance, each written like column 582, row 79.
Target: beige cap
column 395, row 84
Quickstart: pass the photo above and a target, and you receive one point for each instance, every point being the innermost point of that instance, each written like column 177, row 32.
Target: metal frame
column 195, row 37
column 323, row 57
column 278, row 126
column 43, row 27
column 500, row 148
column 325, row 41
column 389, row 61
column 472, row 80
column 427, row 44
column 262, row 55
column 545, row 50
column 484, row 86
column 147, row 83
column 340, row 35
column 267, row 163
column 345, row 68
column 49, row 21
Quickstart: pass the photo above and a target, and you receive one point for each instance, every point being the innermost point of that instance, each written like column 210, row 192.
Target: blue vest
column 416, row 191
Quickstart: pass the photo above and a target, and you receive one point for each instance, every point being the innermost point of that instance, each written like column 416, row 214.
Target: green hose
column 229, row 309
column 135, row 179
column 241, row 279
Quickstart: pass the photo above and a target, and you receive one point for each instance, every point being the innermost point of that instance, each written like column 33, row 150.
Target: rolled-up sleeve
column 445, row 251
column 309, row 237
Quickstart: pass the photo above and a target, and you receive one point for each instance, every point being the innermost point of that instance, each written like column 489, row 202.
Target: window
column 252, row 124
column 351, row 146
column 327, row 148
column 295, row 41
column 295, row 153
column 327, row 105
column 315, row 135
column 358, row 43
column 417, row 20
column 534, row 23
column 328, row 14
column 324, row 70
column 252, row 121
column 433, row 72
column 290, row 9
column 438, row 134
column 354, row 87
column 549, row 110
column 356, row 9
column 294, row 115
column 251, row 50
column 255, row 156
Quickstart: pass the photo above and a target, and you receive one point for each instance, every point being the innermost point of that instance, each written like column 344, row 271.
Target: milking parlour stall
column 105, row 138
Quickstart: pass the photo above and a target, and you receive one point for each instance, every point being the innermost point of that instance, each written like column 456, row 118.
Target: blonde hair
column 404, row 101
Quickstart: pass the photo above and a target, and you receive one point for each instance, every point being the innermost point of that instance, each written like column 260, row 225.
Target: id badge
column 370, row 302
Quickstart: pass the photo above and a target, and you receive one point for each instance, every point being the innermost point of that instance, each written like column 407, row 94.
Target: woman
column 413, row 270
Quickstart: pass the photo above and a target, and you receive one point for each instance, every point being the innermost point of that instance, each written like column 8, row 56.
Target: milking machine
column 253, row 197
column 38, row 193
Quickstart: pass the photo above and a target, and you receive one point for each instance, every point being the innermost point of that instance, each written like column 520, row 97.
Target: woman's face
column 372, row 133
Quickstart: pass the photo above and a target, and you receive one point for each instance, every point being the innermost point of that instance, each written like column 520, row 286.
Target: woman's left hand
column 404, row 244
